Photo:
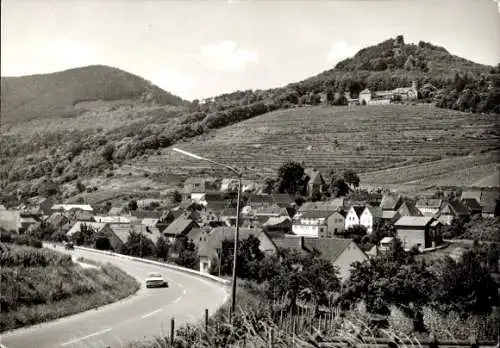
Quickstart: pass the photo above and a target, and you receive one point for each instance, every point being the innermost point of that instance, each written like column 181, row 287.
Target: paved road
column 144, row 315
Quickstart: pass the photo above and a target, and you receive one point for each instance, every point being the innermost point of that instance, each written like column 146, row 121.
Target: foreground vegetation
column 39, row 285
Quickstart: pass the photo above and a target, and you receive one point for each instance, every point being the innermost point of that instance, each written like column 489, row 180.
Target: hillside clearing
column 424, row 143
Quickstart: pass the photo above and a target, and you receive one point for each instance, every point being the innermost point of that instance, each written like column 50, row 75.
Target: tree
column 176, row 196
column 138, row 245
column 80, row 186
column 102, row 243
column 351, row 178
column 329, row 95
column 338, row 186
column 86, row 235
column 132, row 205
column 291, row 178
column 187, row 254
column 466, row 285
column 162, row 248
column 248, row 260
column 107, row 152
column 269, row 184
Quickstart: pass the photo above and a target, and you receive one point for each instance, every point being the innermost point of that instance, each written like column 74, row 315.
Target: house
column 228, row 216
column 116, row 211
column 420, row 231
column 391, row 201
column 260, row 200
column 194, row 188
column 370, row 217
column 77, row 226
column 209, row 249
column 332, row 205
column 429, row 206
column 113, row 219
column 409, row 208
column 315, row 182
column 390, row 216
column 208, row 217
column 212, row 197
column 146, row 214
column 10, row 220
column 283, row 200
column 341, row 252
column 118, row 233
column 58, row 221
column 278, row 225
column 451, row 210
column 490, row 203
column 81, row 215
column 178, row 228
column 353, row 216
column 386, row 243
column 70, row 207
column 26, row 223
column 365, row 96
column 336, row 223
column 472, row 206
column 311, row 223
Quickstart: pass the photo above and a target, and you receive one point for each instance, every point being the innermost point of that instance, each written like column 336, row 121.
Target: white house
column 369, row 217
column 353, row 216
column 311, row 223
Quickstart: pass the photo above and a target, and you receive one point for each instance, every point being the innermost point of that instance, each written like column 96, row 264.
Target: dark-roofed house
column 353, row 216
column 208, row 250
column 26, row 223
column 429, row 206
column 146, row 214
column 322, row 205
column 278, row 225
column 369, row 217
column 311, row 223
column 283, row 200
column 490, row 203
column 118, row 233
column 341, row 252
column 451, row 210
column 472, row 206
column 178, row 228
column 420, row 231
column 257, row 201
column 315, row 182
column 391, row 201
column 195, row 188
column 409, row 208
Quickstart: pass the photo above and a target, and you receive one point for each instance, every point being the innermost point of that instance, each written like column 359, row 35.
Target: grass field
column 424, row 144
column 39, row 285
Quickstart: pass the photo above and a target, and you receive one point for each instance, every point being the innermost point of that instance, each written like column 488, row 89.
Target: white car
column 155, row 280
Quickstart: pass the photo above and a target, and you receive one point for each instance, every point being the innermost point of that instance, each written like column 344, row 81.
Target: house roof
column 315, row 176
column 112, row 219
column 411, row 208
column 268, row 210
column 386, row 240
column 283, row 199
column 327, row 205
column 376, row 212
column 330, row 248
column 456, row 207
column 358, row 209
column 28, row 220
column 218, row 206
column 317, row 214
column 289, row 242
column 179, row 226
column 149, row 222
column 390, row 201
column 473, row 194
column 280, row 221
column 219, row 234
column 413, row 221
column 432, row 203
column 260, row 199
column 389, row 214
column 472, row 204
column 489, row 201
column 115, row 211
column 68, row 207
column 147, row 214
column 97, row 226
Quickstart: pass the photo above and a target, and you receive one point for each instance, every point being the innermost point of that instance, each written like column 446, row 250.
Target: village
column 206, row 214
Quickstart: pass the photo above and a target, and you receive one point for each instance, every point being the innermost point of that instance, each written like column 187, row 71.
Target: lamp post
column 236, row 235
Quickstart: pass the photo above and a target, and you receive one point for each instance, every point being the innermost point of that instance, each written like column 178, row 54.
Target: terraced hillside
column 369, row 138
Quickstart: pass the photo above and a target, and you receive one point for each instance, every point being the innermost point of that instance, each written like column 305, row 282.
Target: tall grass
column 38, row 285
column 261, row 323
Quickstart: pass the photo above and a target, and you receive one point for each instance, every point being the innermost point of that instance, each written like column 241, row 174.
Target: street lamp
column 236, row 235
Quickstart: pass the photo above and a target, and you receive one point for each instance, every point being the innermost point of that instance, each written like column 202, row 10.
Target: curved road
column 144, row 315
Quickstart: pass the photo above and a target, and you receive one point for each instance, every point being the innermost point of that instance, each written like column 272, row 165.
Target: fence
column 358, row 341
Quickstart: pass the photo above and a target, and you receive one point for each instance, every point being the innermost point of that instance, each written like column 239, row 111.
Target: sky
column 198, row 49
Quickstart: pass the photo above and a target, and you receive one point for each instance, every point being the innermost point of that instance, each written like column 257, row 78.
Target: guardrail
column 157, row 263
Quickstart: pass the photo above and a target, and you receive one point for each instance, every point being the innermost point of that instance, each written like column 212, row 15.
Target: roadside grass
column 38, row 285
